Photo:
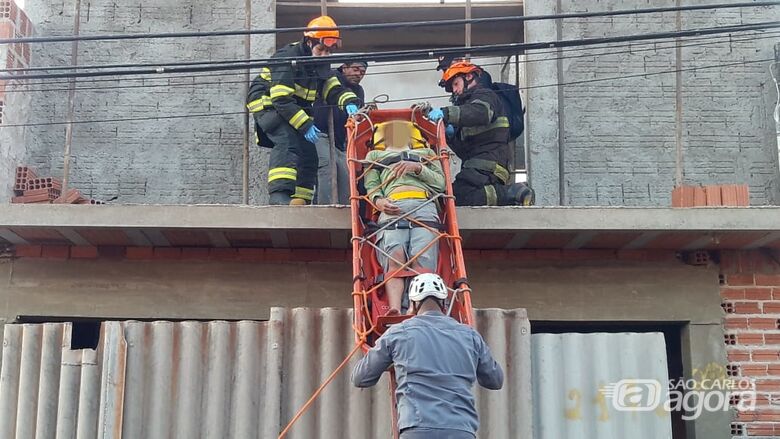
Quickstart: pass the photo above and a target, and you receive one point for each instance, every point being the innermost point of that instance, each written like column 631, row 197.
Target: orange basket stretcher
column 370, row 301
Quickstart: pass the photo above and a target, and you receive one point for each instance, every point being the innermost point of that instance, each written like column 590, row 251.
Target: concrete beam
column 324, row 218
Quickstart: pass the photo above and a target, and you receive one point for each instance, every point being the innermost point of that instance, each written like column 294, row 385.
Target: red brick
column 632, row 255
column 732, row 293
column 470, row 255
column 223, row 254
column 772, row 338
column 776, row 293
column 55, row 251
column 589, row 254
column 748, row 339
column 758, row 293
column 713, row 195
column 735, row 323
column 743, row 194
column 278, row 254
column 548, row 255
column 773, row 369
column 771, row 308
column 738, row 356
column 699, row 196
column 677, row 197
column 768, row 386
column 333, row 255
column 139, row 253
column 752, row 370
column 688, row 196
column 194, row 253
column 768, row 279
column 760, row 415
column 740, row 279
column 765, row 355
column 519, row 255
column 494, row 255
column 305, row 255
column 112, row 252
column 167, row 253
column 762, row 323
column 763, row 429
column 747, row 308
column 27, row 251
column 728, row 193
column 83, row 252
column 251, row 254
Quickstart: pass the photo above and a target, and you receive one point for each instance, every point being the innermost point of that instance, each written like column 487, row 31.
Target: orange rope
column 319, row 390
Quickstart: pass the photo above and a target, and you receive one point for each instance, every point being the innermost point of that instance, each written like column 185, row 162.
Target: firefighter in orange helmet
column 280, row 99
column 478, row 132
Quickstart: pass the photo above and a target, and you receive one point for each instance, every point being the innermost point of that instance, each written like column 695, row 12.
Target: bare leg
column 395, row 286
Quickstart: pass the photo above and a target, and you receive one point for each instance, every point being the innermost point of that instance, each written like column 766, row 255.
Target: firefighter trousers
column 293, row 163
column 475, row 187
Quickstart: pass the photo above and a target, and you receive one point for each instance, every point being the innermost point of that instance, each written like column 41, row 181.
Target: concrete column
column 543, row 116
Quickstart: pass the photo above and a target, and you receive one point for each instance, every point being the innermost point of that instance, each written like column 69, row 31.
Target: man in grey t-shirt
column 436, row 361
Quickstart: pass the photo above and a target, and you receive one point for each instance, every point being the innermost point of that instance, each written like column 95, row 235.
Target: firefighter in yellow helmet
column 280, row 99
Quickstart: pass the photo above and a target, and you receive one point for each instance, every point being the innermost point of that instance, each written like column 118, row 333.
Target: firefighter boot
column 521, row 194
column 279, row 198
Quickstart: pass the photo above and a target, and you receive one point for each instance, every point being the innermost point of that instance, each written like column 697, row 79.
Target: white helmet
column 425, row 285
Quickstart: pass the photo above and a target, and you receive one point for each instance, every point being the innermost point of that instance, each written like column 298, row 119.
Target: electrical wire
column 632, row 48
column 234, row 61
column 379, row 26
column 494, row 49
column 559, row 84
column 219, row 83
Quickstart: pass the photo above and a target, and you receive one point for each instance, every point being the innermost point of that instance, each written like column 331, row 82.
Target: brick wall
column 173, row 160
column 619, row 136
column 14, row 104
column 13, row 24
column 750, row 291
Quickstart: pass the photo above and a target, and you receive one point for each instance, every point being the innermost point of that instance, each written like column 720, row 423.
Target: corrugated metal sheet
column 224, row 380
column 569, row 370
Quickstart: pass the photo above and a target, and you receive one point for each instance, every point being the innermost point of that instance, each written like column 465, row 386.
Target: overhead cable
column 410, row 54
column 379, row 26
column 21, row 86
column 420, row 98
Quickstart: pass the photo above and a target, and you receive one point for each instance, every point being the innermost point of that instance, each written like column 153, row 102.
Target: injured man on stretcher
column 404, row 180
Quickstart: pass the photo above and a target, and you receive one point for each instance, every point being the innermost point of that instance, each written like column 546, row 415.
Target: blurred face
column 461, row 83
column 320, row 50
column 354, row 73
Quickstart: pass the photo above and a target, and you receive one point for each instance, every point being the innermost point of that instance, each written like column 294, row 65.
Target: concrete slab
column 503, row 228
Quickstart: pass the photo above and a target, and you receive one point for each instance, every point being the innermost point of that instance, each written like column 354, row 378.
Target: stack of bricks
column 712, row 195
column 13, row 24
column 750, row 294
column 29, row 189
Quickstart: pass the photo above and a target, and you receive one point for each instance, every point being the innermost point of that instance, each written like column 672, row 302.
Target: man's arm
column 371, row 367
column 432, row 174
column 334, row 92
column 372, row 180
column 283, row 98
column 475, row 113
column 489, row 373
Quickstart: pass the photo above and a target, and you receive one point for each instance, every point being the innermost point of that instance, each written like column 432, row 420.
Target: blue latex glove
column 351, row 109
column 435, row 115
column 449, row 131
column 312, row 134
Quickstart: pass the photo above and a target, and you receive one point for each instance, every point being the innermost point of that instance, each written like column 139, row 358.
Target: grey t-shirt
column 436, row 361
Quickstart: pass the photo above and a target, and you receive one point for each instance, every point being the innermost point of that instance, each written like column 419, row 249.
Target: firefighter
column 478, row 132
column 280, row 99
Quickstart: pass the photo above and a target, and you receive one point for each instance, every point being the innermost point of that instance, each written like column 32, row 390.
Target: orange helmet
column 329, row 38
column 458, row 68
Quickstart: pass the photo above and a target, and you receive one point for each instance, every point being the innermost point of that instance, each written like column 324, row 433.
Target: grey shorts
column 405, row 243
column 435, row 433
